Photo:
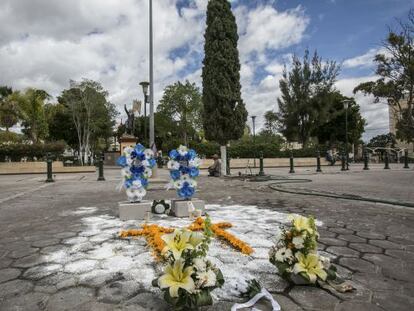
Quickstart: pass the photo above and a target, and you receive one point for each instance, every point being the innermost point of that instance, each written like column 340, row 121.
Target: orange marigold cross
column 153, row 233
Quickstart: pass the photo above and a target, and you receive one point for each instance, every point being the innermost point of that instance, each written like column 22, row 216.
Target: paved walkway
column 372, row 244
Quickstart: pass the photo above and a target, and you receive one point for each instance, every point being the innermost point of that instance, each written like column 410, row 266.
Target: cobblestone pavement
column 371, row 244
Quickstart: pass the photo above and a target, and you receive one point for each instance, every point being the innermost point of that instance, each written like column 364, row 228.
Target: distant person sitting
column 330, row 156
column 215, row 169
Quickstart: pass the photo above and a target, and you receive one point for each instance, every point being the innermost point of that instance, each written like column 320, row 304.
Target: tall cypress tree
column 224, row 114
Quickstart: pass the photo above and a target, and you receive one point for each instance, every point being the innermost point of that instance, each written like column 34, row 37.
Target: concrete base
column 134, row 211
column 180, row 207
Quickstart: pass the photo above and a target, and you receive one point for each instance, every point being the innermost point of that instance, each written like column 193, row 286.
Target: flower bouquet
column 184, row 168
column 137, row 164
column 189, row 277
column 295, row 254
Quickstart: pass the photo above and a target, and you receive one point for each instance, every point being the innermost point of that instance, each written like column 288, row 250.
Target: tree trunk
column 223, row 153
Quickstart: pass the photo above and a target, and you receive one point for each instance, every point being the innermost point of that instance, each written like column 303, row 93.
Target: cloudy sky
column 44, row 43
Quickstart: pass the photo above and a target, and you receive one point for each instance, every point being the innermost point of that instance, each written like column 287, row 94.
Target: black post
column 387, row 161
column 292, row 168
column 228, row 172
column 49, row 168
column 366, row 160
column 101, row 172
column 343, row 160
column 318, row 161
column 406, row 159
column 261, row 171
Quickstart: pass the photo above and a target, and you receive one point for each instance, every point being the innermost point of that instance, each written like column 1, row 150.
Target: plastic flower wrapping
column 137, row 164
column 295, row 254
column 184, row 168
column 188, row 277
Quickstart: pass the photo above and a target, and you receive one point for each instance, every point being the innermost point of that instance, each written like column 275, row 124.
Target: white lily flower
column 207, row 279
column 178, row 184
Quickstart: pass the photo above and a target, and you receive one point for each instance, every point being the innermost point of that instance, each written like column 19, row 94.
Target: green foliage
column 303, row 103
column 17, row 151
column 61, row 126
column 10, row 137
column 383, row 141
column 332, row 130
column 31, row 105
column 271, row 122
column 224, row 113
column 395, row 69
column 253, row 288
column 181, row 104
column 8, row 108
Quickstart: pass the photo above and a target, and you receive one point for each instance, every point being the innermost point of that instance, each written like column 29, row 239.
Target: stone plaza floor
column 60, row 250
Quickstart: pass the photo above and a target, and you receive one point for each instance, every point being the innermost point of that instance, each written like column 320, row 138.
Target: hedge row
column 248, row 150
column 16, row 152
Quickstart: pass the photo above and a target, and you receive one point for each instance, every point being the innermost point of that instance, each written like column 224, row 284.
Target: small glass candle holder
column 148, row 216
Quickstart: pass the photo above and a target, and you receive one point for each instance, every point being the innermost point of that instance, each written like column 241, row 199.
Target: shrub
column 20, row 150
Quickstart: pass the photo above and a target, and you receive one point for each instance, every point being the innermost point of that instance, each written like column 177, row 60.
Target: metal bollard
column 101, row 172
column 406, row 159
column 261, row 171
column 292, row 167
column 228, row 169
column 366, row 160
column 318, row 161
column 49, row 168
column 387, row 161
column 343, row 160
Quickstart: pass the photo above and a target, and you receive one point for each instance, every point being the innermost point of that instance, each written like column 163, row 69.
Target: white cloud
column 364, row 60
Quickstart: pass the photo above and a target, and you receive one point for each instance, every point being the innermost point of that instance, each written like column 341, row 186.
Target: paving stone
column 69, row 299
column 332, row 242
column 313, row 298
column 382, row 260
column 65, row 235
column 81, row 266
column 38, row 272
column 22, row 252
column 342, row 251
column 75, row 240
column 385, row 244
column 30, row 302
column 375, row 281
column 357, row 264
column 30, row 261
column 286, row 303
column 5, row 262
column 8, row 274
column 100, row 306
column 340, row 230
column 44, row 243
column 401, row 254
column 14, row 288
column 98, row 277
column 365, row 248
column 53, row 249
column 119, row 291
column 272, row 282
column 357, row 306
column 326, row 234
column 45, row 289
column 392, row 301
column 351, row 238
column 149, row 301
column 370, row 235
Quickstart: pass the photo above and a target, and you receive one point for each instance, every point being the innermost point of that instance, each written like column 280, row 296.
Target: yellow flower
column 302, row 223
column 175, row 278
column 177, row 242
column 196, row 238
column 311, row 266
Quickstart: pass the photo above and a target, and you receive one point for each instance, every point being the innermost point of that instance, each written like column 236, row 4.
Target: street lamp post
column 151, row 77
column 346, row 105
column 145, row 85
column 254, row 139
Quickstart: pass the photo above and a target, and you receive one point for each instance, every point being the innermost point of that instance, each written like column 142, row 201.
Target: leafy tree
column 92, row 114
column 31, row 105
column 8, row 108
column 383, row 141
column 271, row 122
column 224, row 113
column 304, row 88
column 181, row 103
column 333, row 130
column 61, row 126
column 396, row 83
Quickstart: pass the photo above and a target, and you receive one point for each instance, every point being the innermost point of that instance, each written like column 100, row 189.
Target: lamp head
column 144, row 85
